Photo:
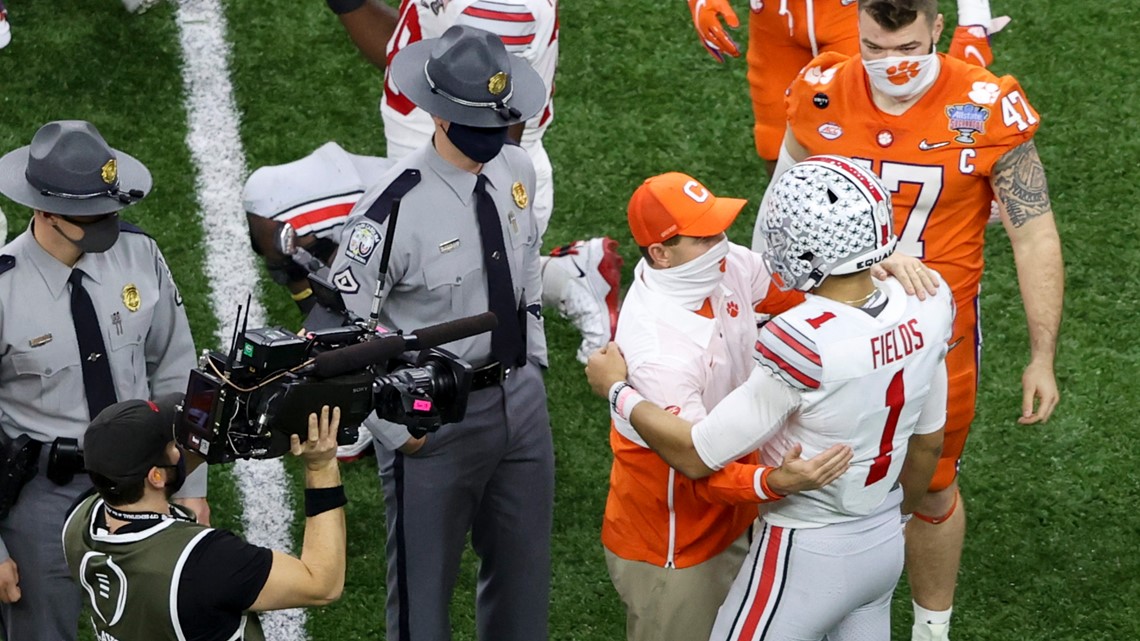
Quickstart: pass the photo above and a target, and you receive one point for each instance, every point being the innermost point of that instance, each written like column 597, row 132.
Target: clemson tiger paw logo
column 901, row 73
column 733, row 309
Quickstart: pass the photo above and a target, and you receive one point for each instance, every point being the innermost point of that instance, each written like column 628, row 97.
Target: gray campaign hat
column 70, row 170
column 467, row 76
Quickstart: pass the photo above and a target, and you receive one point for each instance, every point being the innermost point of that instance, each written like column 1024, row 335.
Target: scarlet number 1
column 896, row 396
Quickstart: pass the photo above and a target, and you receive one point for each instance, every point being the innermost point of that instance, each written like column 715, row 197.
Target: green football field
column 1053, row 525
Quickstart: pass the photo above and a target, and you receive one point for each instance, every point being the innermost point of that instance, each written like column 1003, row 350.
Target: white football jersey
column 529, row 29
column 834, row 374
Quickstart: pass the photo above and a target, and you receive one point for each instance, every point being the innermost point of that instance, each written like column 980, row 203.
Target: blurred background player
column 857, row 368
column 580, row 280
column 786, row 35
column 5, row 28
column 947, row 138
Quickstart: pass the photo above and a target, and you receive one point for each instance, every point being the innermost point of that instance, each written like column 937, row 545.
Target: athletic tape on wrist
column 623, row 398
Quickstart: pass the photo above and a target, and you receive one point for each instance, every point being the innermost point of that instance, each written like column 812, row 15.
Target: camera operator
column 151, row 572
column 88, row 315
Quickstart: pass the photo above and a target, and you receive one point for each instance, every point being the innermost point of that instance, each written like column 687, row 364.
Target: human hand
column 413, row 444
column 199, row 506
column 9, row 582
column 1038, row 385
column 972, row 42
column 916, row 278
column 605, row 367
column 706, row 20
column 797, row 475
column 319, row 450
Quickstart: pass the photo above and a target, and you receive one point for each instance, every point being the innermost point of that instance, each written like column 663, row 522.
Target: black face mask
column 175, row 484
column 98, row 236
column 480, row 144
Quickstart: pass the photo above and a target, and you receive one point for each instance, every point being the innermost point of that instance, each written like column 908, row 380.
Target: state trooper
column 466, row 242
column 88, row 316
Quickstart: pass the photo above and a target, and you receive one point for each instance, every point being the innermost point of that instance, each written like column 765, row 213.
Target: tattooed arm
column 1019, row 184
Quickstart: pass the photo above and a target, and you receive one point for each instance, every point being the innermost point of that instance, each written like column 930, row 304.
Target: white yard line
column 219, row 160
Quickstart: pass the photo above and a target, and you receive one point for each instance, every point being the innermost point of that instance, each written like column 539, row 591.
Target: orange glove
column 706, row 19
column 972, row 43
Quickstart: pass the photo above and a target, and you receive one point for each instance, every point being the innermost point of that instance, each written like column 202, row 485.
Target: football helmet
column 826, row 215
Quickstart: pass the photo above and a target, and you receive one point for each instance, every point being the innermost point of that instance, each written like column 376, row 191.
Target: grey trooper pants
column 49, row 604
column 492, row 474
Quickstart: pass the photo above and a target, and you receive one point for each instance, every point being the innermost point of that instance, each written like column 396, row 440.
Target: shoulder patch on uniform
column 7, row 262
column 362, row 242
column 132, row 229
column 396, row 190
column 789, row 354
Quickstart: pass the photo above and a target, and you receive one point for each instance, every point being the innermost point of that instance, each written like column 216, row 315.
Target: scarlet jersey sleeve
column 790, row 354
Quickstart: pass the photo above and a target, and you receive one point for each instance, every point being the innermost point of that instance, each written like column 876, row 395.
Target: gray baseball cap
column 466, row 76
column 70, row 170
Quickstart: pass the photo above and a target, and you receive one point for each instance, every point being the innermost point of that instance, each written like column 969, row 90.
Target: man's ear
column 939, row 24
column 660, row 255
column 156, row 477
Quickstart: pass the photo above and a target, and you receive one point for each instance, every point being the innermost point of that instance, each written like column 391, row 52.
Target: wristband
column 623, row 398
column 772, row 495
column 320, row 500
column 341, row 7
column 299, row 296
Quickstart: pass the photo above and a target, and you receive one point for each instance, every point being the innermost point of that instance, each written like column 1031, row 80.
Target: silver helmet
column 826, row 215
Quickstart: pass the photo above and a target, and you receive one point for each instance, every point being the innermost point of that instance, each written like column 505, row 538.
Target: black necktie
column 506, row 339
column 97, row 381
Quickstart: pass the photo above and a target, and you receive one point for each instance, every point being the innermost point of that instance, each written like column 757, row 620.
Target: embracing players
column 947, row 138
column 859, row 363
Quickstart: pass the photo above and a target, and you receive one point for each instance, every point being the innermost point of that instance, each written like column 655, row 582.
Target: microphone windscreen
column 443, row 333
column 357, row 357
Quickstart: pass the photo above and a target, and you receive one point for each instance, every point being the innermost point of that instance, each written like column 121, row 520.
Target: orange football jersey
column 936, row 158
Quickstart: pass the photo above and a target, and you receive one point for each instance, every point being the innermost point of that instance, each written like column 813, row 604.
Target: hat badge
column 110, row 172
column 498, row 83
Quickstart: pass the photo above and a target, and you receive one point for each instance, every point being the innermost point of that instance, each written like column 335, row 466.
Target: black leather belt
column 489, row 375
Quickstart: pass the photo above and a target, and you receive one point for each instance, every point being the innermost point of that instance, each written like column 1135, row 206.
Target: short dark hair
column 668, row 242
column 118, row 493
column 893, row 15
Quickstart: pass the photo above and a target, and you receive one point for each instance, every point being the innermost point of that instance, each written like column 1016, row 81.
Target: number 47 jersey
column 830, row 374
column 936, row 158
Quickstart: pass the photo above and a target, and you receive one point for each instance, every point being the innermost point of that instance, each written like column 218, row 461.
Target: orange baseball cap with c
column 675, row 204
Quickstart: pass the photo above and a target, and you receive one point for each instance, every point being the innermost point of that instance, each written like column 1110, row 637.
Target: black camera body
column 247, row 404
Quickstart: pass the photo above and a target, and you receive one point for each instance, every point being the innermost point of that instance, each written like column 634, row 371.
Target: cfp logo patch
column 362, row 243
column 106, row 586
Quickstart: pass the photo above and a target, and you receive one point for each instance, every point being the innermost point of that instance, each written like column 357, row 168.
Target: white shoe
column 930, row 632
column 139, row 6
column 5, row 28
column 590, row 300
column 353, row 451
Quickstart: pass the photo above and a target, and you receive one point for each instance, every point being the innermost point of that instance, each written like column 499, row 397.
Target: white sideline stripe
column 215, row 147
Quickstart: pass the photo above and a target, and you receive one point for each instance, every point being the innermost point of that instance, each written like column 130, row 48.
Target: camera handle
column 385, row 256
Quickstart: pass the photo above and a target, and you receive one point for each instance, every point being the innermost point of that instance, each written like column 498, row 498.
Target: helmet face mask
column 825, row 215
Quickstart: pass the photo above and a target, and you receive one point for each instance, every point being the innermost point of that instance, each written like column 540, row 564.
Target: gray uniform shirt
column 144, row 327
column 436, row 273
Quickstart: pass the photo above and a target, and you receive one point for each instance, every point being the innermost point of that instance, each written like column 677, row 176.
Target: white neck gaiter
column 690, row 284
column 903, row 77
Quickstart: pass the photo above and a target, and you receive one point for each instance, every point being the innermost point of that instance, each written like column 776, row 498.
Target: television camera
column 246, row 403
